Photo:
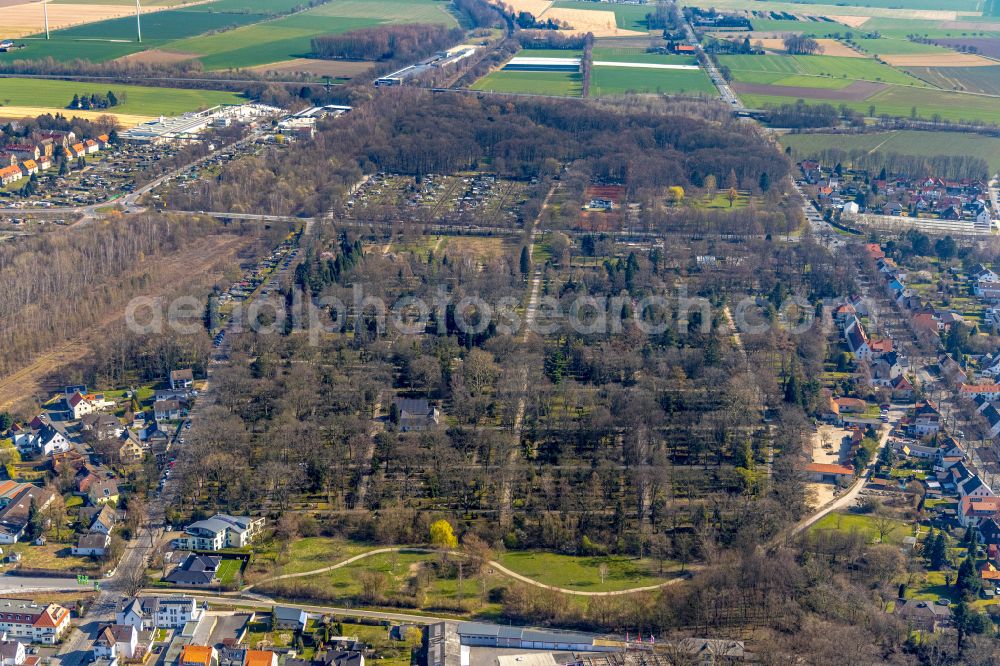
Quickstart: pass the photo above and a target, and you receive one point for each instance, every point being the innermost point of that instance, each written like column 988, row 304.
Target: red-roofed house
column 25, row 151
column 851, row 405
column 974, row 509
column 828, row 473
column 874, row 251
column 988, row 391
column 10, row 174
column 926, row 322
column 36, row 623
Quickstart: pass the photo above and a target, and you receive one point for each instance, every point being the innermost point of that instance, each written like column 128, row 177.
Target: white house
column 220, row 531
column 12, row 653
column 181, row 379
column 857, row 341
column 94, row 544
column 116, row 641
column 45, row 440
column 36, row 623
column 159, row 612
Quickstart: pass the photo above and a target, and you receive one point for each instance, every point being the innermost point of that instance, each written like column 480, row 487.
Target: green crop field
column 953, row 5
column 896, row 46
column 637, row 55
column 291, row 36
column 393, row 11
column 619, row 80
column 551, row 53
column 627, row 17
column 159, row 27
column 928, row 144
column 70, row 49
column 273, row 41
column 744, row 67
column 270, row 7
column 984, row 80
column 816, row 28
column 141, row 101
column 899, row 101
column 532, row 83
column 253, row 35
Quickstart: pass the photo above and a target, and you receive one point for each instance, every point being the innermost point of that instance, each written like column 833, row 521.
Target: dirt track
column 192, row 267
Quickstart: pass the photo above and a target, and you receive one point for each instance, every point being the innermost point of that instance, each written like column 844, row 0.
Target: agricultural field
column 628, row 17
column 139, row 101
column 985, row 46
column 805, row 146
column 274, row 41
column 817, row 27
column 160, row 27
column 565, row 84
column 901, row 101
column 953, row 5
column 985, row 80
column 899, row 46
column 253, row 36
column 748, row 68
column 613, row 54
column 619, row 80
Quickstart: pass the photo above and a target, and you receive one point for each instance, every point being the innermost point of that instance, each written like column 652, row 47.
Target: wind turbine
column 138, row 25
column 45, row 12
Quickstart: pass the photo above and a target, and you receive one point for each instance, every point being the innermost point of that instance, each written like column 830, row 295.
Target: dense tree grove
column 416, row 132
column 392, row 42
column 916, row 166
column 85, row 276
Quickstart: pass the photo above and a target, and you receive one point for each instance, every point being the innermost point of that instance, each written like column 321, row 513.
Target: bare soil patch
column 346, row 69
column 533, row 7
column 601, row 23
column 157, row 57
column 831, row 47
column 939, row 60
column 852, row 21
column 200, row 264
column 856, row 92
column 18, row 112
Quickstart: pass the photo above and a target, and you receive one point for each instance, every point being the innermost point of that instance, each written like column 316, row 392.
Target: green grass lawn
column 627, row 17
column 532, row 83
column 311, row 553
column 720, row 202
column 229, row 570
column 140, row 101
column 584, row 573
column 619, row 80
column 805, row 146
column 850, row 522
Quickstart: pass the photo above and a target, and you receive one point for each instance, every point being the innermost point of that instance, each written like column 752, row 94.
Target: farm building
column 531, row 64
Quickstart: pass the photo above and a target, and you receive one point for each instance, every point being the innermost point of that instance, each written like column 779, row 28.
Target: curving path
column 493, row 563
